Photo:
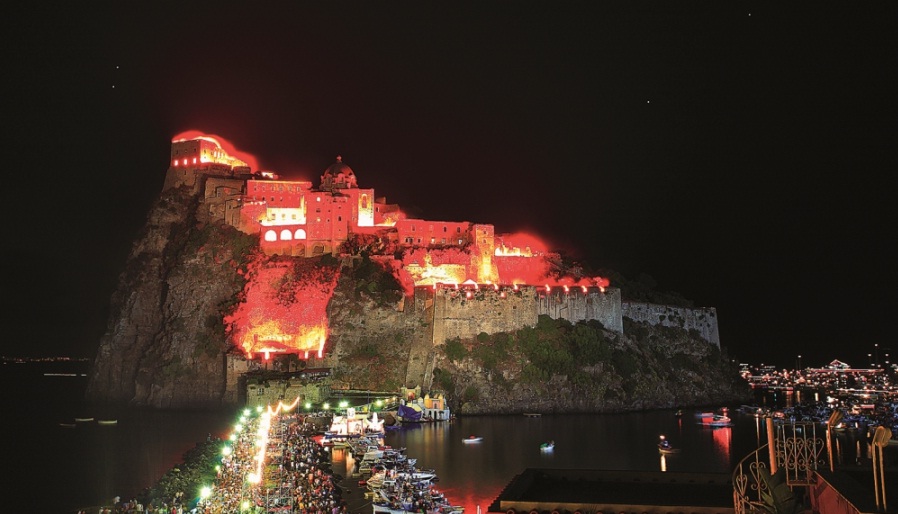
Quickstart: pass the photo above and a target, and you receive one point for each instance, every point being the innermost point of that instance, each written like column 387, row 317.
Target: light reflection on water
column 475, row 474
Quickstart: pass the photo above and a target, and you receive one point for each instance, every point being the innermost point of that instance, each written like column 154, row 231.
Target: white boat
column 720, row 421
column 547, row 447
column 84, row 420
column 472, row 439
column 107, row 421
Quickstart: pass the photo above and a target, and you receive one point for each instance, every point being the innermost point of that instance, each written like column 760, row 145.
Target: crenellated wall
column 465, row 312
column 468, row 312
column 575, row 305
column 702, row 319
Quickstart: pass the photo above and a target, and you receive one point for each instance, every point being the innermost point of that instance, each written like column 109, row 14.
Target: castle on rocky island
column 448, row 266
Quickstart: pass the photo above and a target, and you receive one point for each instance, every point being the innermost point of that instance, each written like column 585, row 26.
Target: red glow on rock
column 520, row 243
column 284, row 308
column 225, row 145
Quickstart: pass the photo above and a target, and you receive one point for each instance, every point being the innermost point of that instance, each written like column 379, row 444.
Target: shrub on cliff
column 375, row 281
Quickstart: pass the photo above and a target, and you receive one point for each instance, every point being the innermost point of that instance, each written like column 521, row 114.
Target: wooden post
column 880, row 439
column 875, row 478
column 771, row 444
column 834, row 420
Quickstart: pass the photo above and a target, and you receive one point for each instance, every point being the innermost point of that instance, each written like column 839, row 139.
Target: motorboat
column 547, row 447
column 720, row 421
column 472, row 439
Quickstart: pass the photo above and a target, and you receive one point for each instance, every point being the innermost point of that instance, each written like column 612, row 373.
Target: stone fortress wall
column 702, row 319
column 464, row 313
column 574, row 305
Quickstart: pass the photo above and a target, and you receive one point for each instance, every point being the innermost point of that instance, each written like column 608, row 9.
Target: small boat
column 67, row 425
column 472, row 439
column 720, row 421
column 107, row 421
column 547, row 447
column 83, row 420
column 665, row 447
column 532, row 414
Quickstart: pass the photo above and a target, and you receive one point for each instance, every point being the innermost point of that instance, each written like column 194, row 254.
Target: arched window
column 271, row 235
column 286, row 235
column 300, row 234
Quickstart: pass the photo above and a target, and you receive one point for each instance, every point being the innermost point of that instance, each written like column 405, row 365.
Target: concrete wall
column 575, row 305
column 702, row 319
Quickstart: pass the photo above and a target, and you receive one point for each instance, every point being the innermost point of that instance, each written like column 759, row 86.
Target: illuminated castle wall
column 193, row 160
column 292, row 217
column 504, row 277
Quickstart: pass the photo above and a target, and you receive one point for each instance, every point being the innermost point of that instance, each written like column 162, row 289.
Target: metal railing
column 748, row 488
column 798, row 452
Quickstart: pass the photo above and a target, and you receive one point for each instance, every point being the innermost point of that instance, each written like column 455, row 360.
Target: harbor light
column 379, row 403
column 226, row 451
column 246, row 412
column 244, row 505
column 259, row 409
column 344, row 404
column 205, row 492
column 238, row 427
column 326, row 406
column 233, row 437
column 308, row 405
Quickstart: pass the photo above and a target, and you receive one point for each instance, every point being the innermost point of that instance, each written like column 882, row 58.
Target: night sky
column 740, row 153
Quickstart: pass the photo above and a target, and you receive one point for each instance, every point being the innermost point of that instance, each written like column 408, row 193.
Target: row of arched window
column 285, row 235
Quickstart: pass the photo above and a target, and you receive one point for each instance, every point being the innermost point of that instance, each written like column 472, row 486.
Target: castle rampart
column 466, row 312
column 702, row 319
column 575, row 305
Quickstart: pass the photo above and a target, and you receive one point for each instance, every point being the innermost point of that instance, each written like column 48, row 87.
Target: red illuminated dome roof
column 338, row 176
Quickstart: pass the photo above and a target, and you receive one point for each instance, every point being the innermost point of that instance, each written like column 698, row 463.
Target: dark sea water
column 473, row 474
column 52, row 468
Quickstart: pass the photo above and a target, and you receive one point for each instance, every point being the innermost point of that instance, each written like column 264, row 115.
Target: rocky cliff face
column 648, row 368
column 165, row 345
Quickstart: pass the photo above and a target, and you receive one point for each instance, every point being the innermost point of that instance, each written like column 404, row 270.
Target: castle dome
column 338, row 176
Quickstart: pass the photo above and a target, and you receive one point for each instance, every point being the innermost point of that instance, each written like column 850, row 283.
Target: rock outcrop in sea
column 167, row 345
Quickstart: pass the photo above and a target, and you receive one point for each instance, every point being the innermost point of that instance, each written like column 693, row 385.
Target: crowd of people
column 297, row 475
